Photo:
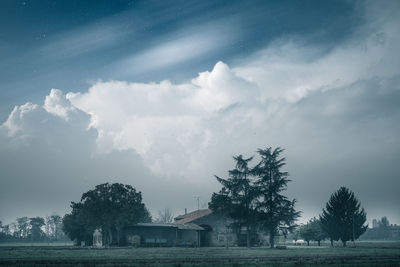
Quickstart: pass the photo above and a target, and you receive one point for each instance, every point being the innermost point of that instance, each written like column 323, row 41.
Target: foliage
column 382, row 231
column 110, row 207
column 36, row 233
column 237, row 196
column 54, row 227
column 22, row 227
column 384, row 228
column 276, row 211
column 312, row 231
column 343, row 218
column 306, row 232
column 252, row 197
column 165, row 216
column 76, row 224
column 319, row 233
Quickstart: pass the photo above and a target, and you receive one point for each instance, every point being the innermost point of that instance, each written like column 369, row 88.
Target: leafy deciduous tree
column 306, row 232
column 312, row 231
column 36, row 233
column 54, row 227
column 110, row 207
column 165, row 216
column 22, row 227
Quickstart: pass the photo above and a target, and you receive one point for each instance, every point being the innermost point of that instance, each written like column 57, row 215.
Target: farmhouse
column 200, row 228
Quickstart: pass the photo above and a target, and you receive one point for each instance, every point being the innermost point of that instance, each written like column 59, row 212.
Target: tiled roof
column 186, row 226
column 155, row 224
column 189, row 226
column 192, row 216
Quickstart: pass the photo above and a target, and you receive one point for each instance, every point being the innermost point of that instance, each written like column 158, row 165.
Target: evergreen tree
column 237, row 196
column 343, row 218
column 276, row 211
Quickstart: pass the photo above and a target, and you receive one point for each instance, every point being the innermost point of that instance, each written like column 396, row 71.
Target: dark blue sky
column 70, row 44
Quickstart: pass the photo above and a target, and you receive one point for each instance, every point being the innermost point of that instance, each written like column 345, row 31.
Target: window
column 221, row 238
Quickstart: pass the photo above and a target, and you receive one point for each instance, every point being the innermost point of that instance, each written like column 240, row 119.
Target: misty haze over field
column 161, row 94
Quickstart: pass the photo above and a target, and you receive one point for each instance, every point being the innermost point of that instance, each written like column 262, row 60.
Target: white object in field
column 97, row 239
column 299, row 242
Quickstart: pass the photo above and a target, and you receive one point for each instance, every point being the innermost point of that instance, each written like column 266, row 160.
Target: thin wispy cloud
column 83, row 41
column 172, row 51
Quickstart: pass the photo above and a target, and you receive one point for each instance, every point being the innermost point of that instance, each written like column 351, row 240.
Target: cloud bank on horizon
column 335, row 112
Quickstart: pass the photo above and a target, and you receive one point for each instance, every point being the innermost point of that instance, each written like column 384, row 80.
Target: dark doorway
column 205, row 236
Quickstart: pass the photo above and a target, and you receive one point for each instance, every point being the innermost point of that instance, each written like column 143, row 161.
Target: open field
column 37, row 244
column 365, row 254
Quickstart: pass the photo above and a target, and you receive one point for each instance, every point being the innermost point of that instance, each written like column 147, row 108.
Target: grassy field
column 365, row 254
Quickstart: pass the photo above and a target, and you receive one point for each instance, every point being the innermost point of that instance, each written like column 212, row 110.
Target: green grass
column 365, row 254
column 37, row 244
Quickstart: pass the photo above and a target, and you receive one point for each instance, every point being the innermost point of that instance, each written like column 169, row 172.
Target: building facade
column 163, row 235
column 216, row 231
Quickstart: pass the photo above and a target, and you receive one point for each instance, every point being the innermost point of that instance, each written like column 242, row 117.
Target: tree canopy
column 343, row 217
column 276, row 211
column 237, row 196
column 312, row 231
column 110, row 207
column 165, row 216
column 36, row 233
column 252, row 196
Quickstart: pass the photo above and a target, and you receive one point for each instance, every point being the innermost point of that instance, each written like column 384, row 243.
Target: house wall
column 188, row 238
column 162, row 236
column 153, row 236
column 219, row 235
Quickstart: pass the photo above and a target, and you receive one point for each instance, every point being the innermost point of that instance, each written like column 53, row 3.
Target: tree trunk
column 308, row 242
column 272, row 239
column 109, row 237
column 248, row 236
column 118, row 237
column 331, row 242
column 319, row 243
column 344, row 244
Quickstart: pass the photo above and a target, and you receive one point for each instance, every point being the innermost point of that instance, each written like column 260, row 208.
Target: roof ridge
column 191, row 216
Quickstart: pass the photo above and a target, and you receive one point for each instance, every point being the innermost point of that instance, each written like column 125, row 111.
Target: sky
column 161, row 94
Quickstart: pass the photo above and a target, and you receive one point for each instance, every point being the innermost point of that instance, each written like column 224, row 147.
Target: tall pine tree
column 253, row 197
column 236, row 198
column 276, row 211
column 343, row 218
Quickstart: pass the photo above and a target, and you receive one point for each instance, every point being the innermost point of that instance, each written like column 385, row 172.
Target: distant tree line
column 312, row 231
column 35, row 229
column 382, row 230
